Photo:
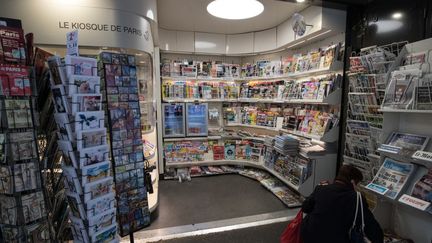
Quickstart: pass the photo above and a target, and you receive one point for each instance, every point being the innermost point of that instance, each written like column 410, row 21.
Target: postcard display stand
column 404, row 179
column 119, row 74
column 22, row 204
column 252, row 112
column 82, row 138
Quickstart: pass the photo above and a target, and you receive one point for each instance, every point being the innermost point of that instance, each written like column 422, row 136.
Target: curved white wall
column 325, row 22
column 112, row 23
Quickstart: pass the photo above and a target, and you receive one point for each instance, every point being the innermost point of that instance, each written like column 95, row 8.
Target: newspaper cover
column 391, row 178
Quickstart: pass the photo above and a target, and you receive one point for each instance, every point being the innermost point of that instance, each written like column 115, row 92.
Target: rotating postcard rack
column 23, row 215
column 82, row 138
column 119, row 75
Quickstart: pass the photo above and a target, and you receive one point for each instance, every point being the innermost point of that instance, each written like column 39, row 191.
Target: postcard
column 86, row 102
column 101, row 204
column 91, row 138
column 79, row 84
column 18, row 113
column 22, row 145
column 89, row 120
column 65, row 130
column 93, row 155
column 59, row 99
column 80, row 66
column 98, row 188
column 91, row 173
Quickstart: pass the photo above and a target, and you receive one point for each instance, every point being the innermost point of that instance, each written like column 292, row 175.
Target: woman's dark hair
column 348, row 172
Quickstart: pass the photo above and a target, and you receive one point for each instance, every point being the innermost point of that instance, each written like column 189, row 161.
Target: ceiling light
column 300, row 1
column 235, row 9
column 397, row 15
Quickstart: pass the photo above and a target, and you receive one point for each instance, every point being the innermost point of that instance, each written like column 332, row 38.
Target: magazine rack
column 406, row 220
column 312, row 88
column 23, row 206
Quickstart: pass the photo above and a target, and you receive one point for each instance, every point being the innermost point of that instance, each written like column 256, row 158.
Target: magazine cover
column 93, row 155
column 59, row 99
column 12, row 45
column 14, row 80
column 80, row 66
column 391, row 178
column 8, row 214
column 404, row 144
column 22, row 145
column 421, row 195
column 86, row 102
column 79, row 84
column 230, row 149
column 33, row 206
column 91, row 138
column 18, row 113
column 89, row 120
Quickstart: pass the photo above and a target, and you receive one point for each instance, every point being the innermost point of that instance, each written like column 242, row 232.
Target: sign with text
column 422, row 155
column 72, row 43
column 414, row 202
column 99, row 27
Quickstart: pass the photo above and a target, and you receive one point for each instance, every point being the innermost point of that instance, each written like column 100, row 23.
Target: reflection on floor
column 233, row 204
column 212, row 198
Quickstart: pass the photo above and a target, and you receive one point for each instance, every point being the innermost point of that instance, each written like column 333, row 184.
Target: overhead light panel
column 397, row 15
column 300, row 1
column 235, row 9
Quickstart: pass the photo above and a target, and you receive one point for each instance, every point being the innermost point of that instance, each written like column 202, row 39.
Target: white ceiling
column 192, row 15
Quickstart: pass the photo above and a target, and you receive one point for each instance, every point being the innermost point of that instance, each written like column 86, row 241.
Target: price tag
column 423, row 155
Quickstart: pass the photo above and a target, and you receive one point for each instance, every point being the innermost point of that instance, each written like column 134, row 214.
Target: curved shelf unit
column 336, row 66
column 332, row 99
column 323, row 166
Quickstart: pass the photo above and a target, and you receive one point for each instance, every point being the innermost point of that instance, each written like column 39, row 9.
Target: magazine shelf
column 258, row 165
column 329, row 136
column 336, row 66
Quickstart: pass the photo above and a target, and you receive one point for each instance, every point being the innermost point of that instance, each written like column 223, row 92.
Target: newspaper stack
column 286, row 145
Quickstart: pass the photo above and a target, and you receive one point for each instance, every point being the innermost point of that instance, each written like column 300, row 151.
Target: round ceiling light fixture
column 235, row 9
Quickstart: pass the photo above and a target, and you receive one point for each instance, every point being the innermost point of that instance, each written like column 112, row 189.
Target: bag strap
column 359, row 202
column 361, row 210
column 356, row 211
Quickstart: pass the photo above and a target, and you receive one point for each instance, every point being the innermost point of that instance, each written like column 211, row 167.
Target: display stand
column 22, row 198
column 120, row 86
column 82, row 138
column 249, row 104
column 405, row 201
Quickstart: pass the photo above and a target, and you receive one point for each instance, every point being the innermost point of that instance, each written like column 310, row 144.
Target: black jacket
column 330, row 213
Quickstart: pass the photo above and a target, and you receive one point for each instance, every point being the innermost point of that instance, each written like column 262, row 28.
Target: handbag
column 356, row 232
column 291, row 233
